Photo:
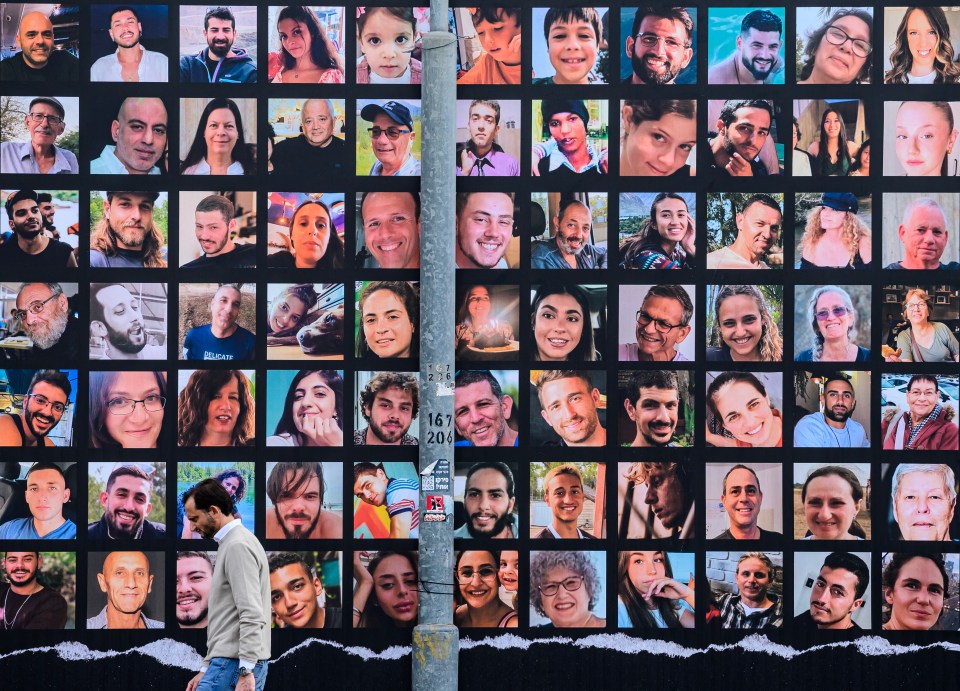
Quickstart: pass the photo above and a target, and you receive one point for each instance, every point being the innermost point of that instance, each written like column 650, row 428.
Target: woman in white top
column 923, row 53
column 218, row 146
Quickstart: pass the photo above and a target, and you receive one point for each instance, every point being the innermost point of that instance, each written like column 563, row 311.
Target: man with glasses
column 391, row 137
column 570, row 247
column 46, row 493
column 44, row 404
column 316, row 149
column 28, row 247
column 757, row 59
column 659, row 45
column 924, row 232
column 832, row 428
column 44, row 312
column 38, row 59
column 926, row 425
column 44, row 121
column 126, row 505
column 758, row 228
column 663, row 322
column 222, row 338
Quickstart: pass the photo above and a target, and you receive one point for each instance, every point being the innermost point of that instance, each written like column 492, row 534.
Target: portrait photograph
column 917, row 45
column 558, row 572
column 908, row 574
column 305, row 230
column 744, row 409
column 385, row 502
column 569, row 231
column 568, row 408
column 746, row 45
column 740, row 580
column 656, row 322
column 827, row 590
column 388, row 136
column 918, row 412
column 305, row 44
column 304, row 500
column 487, row 317
column 128, row 321
column 218, row 136
column 305, row 590
column 831, row 138
column 656, row 408
column 572, row 48
column 567, row 500
column 217, row 321
column 40, row 505
column 478, row 420
column 125, row 590
column 917, row 230
column 50, row 124
column 830, row 501
column 919, row 501
column 386, row 591
column 130, row 410
column 488, row 138
column 920, row 322
column 656, row 499
column 218, row 45
column 307, row 135
column 53, row 329
column 387, row 322
column 45, row 402
column 215, row 407
column 305, row 408
column 658, row 45
column 671, row 574
column 658, row 230
column 570, row 140
column 744, row 323
column 489, row 49
column 389, row 48
column 129, row 230
column 30, row 53
column 832, row 409
column 836, row 233
column 658, row 138
column 748, row 141
column 237, row 478
column 386, row 408
column 744, row 230
column 831, row 323
column 919, row 138
column 305, row 321
column 127, row 501
column 129, row 43
column 485, row 502
column 490, row 604
column 834, row 45
column 387, row 227
column 741, row 497
column 57, row 573
column 217, row 229
column 569, row 321
column 192, row 587
column 60, row 210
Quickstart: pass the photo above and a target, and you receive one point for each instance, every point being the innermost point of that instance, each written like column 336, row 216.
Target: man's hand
column 739, row 166
column 195, row 682
column 246, row 683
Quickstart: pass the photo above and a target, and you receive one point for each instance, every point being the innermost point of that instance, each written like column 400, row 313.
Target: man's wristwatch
column 244, row 671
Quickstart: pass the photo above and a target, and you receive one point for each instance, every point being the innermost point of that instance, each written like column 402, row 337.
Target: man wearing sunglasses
column 659, row 45
column 28, row 246
column 391, row 137
column 44, row 312
column 44, row 122
column 663, row 322
column 832, row 428
column 44, row 404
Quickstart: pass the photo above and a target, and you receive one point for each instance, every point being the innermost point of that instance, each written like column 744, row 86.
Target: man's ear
column 115, row 130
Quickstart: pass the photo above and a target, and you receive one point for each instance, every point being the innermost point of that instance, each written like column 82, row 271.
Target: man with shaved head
column 127, row 581
column 140, row 133
column 38, row 59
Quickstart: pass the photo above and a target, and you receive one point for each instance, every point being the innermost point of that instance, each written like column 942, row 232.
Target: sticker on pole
column 436, row 508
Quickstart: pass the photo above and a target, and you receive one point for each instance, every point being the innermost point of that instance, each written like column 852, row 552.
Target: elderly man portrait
column 44, row 121
column 316, row 148
column 924, row 233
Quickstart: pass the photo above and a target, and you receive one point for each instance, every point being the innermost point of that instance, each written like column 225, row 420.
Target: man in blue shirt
column 223, row 338
column 46, row 494
column 219, row 62
column 570, row 246
column 832, row 428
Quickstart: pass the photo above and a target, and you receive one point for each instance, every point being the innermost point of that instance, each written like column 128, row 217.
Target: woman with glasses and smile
column 565, row 588
column 839, row 51
column 926, row 425
column 924, row 340
column 478, row 592
column 833, row 321
column 126, row 409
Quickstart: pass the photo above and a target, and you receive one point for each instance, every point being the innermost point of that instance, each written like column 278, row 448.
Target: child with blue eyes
column 387, row 37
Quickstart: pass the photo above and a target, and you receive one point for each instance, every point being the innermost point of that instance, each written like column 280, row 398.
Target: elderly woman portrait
column 923, row 498
column 926, row 425
column 566, row 588
column 826, row 315
column 839, row 50
column 924, row 340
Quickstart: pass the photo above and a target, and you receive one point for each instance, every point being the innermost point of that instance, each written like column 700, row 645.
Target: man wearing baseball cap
column 28, row 247
column 567, row 155
column 45, row 122
column 391, row 136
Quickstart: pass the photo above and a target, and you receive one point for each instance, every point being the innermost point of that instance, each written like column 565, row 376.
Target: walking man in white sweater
column 238, row 630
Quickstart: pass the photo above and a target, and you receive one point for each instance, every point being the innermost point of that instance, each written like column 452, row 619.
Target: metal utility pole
column 435, row 639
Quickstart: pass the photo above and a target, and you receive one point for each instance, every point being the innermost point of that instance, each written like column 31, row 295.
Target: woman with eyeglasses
column 126, row 409
column 925, row 136
column 839, row 51
column 924, row 340
column 478, row 592
column 565, row 588
column 833, row 321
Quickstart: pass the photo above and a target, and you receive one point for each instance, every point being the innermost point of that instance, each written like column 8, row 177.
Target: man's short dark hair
column 415, row 195
column 208, row 493
column 677, row 14
column 729, row 111
column 217, row 202
column 365, row 468
column 277, row 484
column 548, row 375
column 761, row 198
column 836, row 376
column 932, row 378
column 126, row 470
column 219, row 13
column 199, row 554
column 568, row 15
column 489, row 103
column 125, row 8
column 281, row 559
column 673, row 292
column 500, row 467
column 741, row 466
column 382, row 381
column 567, row 202
column 761, row 20
column 44, row 197
column 650, row 379
column 52, row 377
column 463, row 197
column 466, row 377
column 492, row 15
column 853, row 564
column 46, row 465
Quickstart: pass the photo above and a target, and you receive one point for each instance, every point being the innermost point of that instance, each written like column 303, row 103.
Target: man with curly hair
column 389, row 403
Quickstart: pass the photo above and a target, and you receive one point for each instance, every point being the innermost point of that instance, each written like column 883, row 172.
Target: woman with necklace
column 924, row 340
column 307, row 55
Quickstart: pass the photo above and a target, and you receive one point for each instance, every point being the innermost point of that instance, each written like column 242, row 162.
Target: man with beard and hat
column 45, row 121
column 116, row 319
column 659, row 45
column 400, row 496
column 126, row 505
column 570, row 246
column 832, row 428
column 757, row 59
column 295, row 589
column 131, row 62
column 28, row 247
column 296, row 490
column 194, row 577
column 25, row 603
column 219, row 62
column 44, row 313
column 489, row 502
column 38, row 59
column 125, row 237
column 44, row 404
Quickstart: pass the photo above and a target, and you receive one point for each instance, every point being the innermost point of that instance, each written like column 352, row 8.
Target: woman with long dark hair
column 218, row 146
column 561, row 324
column 312, row 411
column 667, row 237
column 308, row 56
column 649, row 597
column 216, row 409
column 832, row 153
column 314, row 240
column 387, row 591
